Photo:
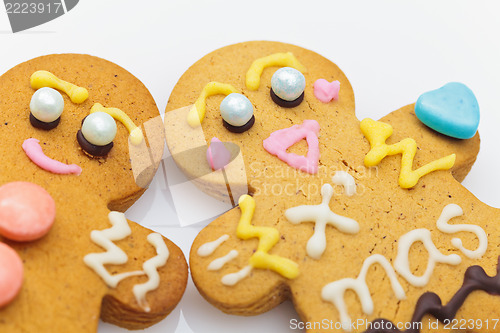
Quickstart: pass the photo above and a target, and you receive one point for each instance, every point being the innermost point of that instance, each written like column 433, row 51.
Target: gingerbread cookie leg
column 136, row 304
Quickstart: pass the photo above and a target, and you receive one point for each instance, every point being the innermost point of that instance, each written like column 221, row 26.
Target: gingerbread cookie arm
column 431, row 144
column 213, row 246
column 121, row 307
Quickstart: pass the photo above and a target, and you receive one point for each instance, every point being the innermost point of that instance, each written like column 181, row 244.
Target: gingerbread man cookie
column 86, row 260
column 360, row 224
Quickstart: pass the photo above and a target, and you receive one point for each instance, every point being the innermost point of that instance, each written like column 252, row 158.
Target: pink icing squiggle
column 279, row 141
column 35, row 153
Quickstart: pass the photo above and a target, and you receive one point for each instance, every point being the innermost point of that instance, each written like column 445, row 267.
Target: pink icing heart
column 326, row 91
column 218, row 156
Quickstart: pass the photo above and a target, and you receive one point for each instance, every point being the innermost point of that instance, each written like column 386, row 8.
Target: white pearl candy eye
column 288, row 83
column 236, row 109
column 99, row 128
column 47, row 104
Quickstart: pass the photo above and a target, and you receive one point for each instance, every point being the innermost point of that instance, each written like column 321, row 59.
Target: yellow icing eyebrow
column 41, row 79
column 136, row 135
column 197, row 112
column 378, row 132
column 268, row 237
column 276, row 59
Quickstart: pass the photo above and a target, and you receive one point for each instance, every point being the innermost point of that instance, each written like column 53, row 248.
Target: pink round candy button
column 11, row 274
column 27, row 211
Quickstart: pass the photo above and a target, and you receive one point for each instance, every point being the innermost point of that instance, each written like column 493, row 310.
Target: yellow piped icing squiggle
column 41, row 79
column 136, row 135
column 268, row 237
column 197, row 112
column 277, row 59
column 378, row 132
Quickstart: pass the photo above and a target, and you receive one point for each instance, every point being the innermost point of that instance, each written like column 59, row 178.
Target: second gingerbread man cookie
column 354, row 221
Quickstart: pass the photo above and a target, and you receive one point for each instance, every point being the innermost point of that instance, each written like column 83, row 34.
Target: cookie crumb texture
column 384, row 211
column 60, row 293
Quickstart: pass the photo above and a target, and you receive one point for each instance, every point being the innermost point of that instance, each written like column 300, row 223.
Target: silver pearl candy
column 288, row 83
column 46, row 104
column 99, row 128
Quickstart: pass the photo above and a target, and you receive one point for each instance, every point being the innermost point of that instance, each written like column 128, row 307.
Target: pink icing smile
column 326, row 91
column 32, row 148
column 279, row 141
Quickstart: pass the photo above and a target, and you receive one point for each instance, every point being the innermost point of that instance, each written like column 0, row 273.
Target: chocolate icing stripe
column 475, row 278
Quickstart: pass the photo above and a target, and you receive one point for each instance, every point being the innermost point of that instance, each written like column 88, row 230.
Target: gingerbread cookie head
column 92, row 262
column 354, row 221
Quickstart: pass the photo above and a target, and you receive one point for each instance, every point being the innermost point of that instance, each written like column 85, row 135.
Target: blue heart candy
column 451, row 110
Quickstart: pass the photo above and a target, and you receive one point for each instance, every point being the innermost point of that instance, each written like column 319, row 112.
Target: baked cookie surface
column 60, row 293
column 386, row 213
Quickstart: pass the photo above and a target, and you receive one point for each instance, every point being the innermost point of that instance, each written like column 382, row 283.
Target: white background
column 391, row 51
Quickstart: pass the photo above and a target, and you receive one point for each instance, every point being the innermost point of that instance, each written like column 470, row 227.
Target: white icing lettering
column 402, row 264
column 334, row 291
column 322, row 215
column 451, row 211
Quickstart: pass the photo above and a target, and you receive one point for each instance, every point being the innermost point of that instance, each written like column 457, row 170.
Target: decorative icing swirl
column 113, row 255
column 150, row 268
column 475, row 278
column 378, row 132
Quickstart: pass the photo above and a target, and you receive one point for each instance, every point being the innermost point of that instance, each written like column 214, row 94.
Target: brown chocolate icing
column 92, row 149
column 43, row 125
column 475, row 278
column 286, row 104
column 239, row 129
